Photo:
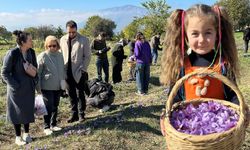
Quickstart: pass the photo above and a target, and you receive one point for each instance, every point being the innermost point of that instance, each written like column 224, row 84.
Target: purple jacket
column 143, row 52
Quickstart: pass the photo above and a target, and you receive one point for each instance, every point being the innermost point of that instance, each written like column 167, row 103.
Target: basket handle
column 226, row 81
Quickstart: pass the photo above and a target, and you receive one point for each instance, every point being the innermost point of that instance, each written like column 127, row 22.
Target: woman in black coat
column 246, row 38
column 20, row 85
column 117, row 60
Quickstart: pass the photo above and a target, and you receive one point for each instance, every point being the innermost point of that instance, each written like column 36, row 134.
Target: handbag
column 29, row 69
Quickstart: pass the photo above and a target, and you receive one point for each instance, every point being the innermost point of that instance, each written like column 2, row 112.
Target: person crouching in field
column 20, row 85
column 51, row 81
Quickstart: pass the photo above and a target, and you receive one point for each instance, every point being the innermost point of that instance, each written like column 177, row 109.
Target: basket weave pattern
column 228, row 140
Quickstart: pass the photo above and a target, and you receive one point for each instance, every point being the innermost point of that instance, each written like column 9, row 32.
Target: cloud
column 55, row 17
column 58, row 17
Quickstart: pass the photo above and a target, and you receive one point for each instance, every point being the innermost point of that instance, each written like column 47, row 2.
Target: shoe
column 81, row 119
column 48, row 131
column 104, row 108
column 55, row 128
column 19, row 141
column 246, row 55
column 27, row 138
column 139, row 93
column 73, row 119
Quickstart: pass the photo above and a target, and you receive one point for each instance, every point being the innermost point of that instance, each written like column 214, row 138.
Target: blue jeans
column 102, row 64
column 155, row 55
column 142, row 77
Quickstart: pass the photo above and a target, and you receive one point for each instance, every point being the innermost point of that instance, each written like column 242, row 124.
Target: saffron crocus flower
column 206, row 118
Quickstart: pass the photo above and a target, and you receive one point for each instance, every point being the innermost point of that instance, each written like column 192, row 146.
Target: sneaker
column 73, row 119
column 55, row 128
column 48, row 131
column 139, row 93
column 81, row 119
column 19, row 141
column 104, row 108
column 27, row 138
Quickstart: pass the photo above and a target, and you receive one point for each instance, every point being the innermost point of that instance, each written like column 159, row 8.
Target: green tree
column 131, row 29
column 158, row 12
column 45, row 30
column 96, row 24
column 5, row 35
column 154, row 22
column 32, row 31
column 59, row 32
column 238, row 12
column 41, row 32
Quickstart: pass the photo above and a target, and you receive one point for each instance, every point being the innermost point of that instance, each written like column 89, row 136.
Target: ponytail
column 172, row 57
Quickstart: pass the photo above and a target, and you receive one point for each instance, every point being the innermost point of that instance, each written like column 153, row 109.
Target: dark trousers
column 17, row 128
column 246, row 45
column 51, row 101
column 77, row 96
column 116, row 73
column 102, row 64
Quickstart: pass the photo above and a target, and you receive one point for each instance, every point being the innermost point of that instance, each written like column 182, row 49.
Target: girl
column 20, row 85
column 143, row 58
column 51, row 80
column 200, row 38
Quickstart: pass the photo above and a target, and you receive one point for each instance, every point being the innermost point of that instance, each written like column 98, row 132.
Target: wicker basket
column 131, row 63
column 228, row 140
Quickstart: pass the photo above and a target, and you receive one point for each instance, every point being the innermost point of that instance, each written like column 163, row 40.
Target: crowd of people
column 193, row 41
column 63, row 66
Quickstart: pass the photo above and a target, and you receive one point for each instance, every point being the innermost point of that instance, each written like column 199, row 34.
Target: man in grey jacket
column 76, row 54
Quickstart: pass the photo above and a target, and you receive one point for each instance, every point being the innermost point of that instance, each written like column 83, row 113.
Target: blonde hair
column 49, row 39
column 172, row 61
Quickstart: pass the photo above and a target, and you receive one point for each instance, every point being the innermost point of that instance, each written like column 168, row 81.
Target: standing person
column 100, row 49
column 131, row 45
column 131, row 60
column 155, row 43
column 143, row 60
column 20, row 85
column 246, row 38
column 207, row 50
column 76, row 54
column 51, row 79
column 117, row 60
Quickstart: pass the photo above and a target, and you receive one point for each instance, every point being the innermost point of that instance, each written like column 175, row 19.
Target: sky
column 17, row 14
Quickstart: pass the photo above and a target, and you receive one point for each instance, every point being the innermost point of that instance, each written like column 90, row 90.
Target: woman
column 51, row 80
column 117, row 60
column 20, row 85
column 143, row 60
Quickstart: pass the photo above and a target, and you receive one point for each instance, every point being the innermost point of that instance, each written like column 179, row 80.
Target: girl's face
column 201, row 34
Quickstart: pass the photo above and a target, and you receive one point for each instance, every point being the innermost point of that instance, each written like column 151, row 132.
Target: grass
column 131, row 124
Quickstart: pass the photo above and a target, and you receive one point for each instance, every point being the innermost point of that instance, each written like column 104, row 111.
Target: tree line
column 150, row 24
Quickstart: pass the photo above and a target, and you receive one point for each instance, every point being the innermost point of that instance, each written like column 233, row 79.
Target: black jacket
column 101, row 93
